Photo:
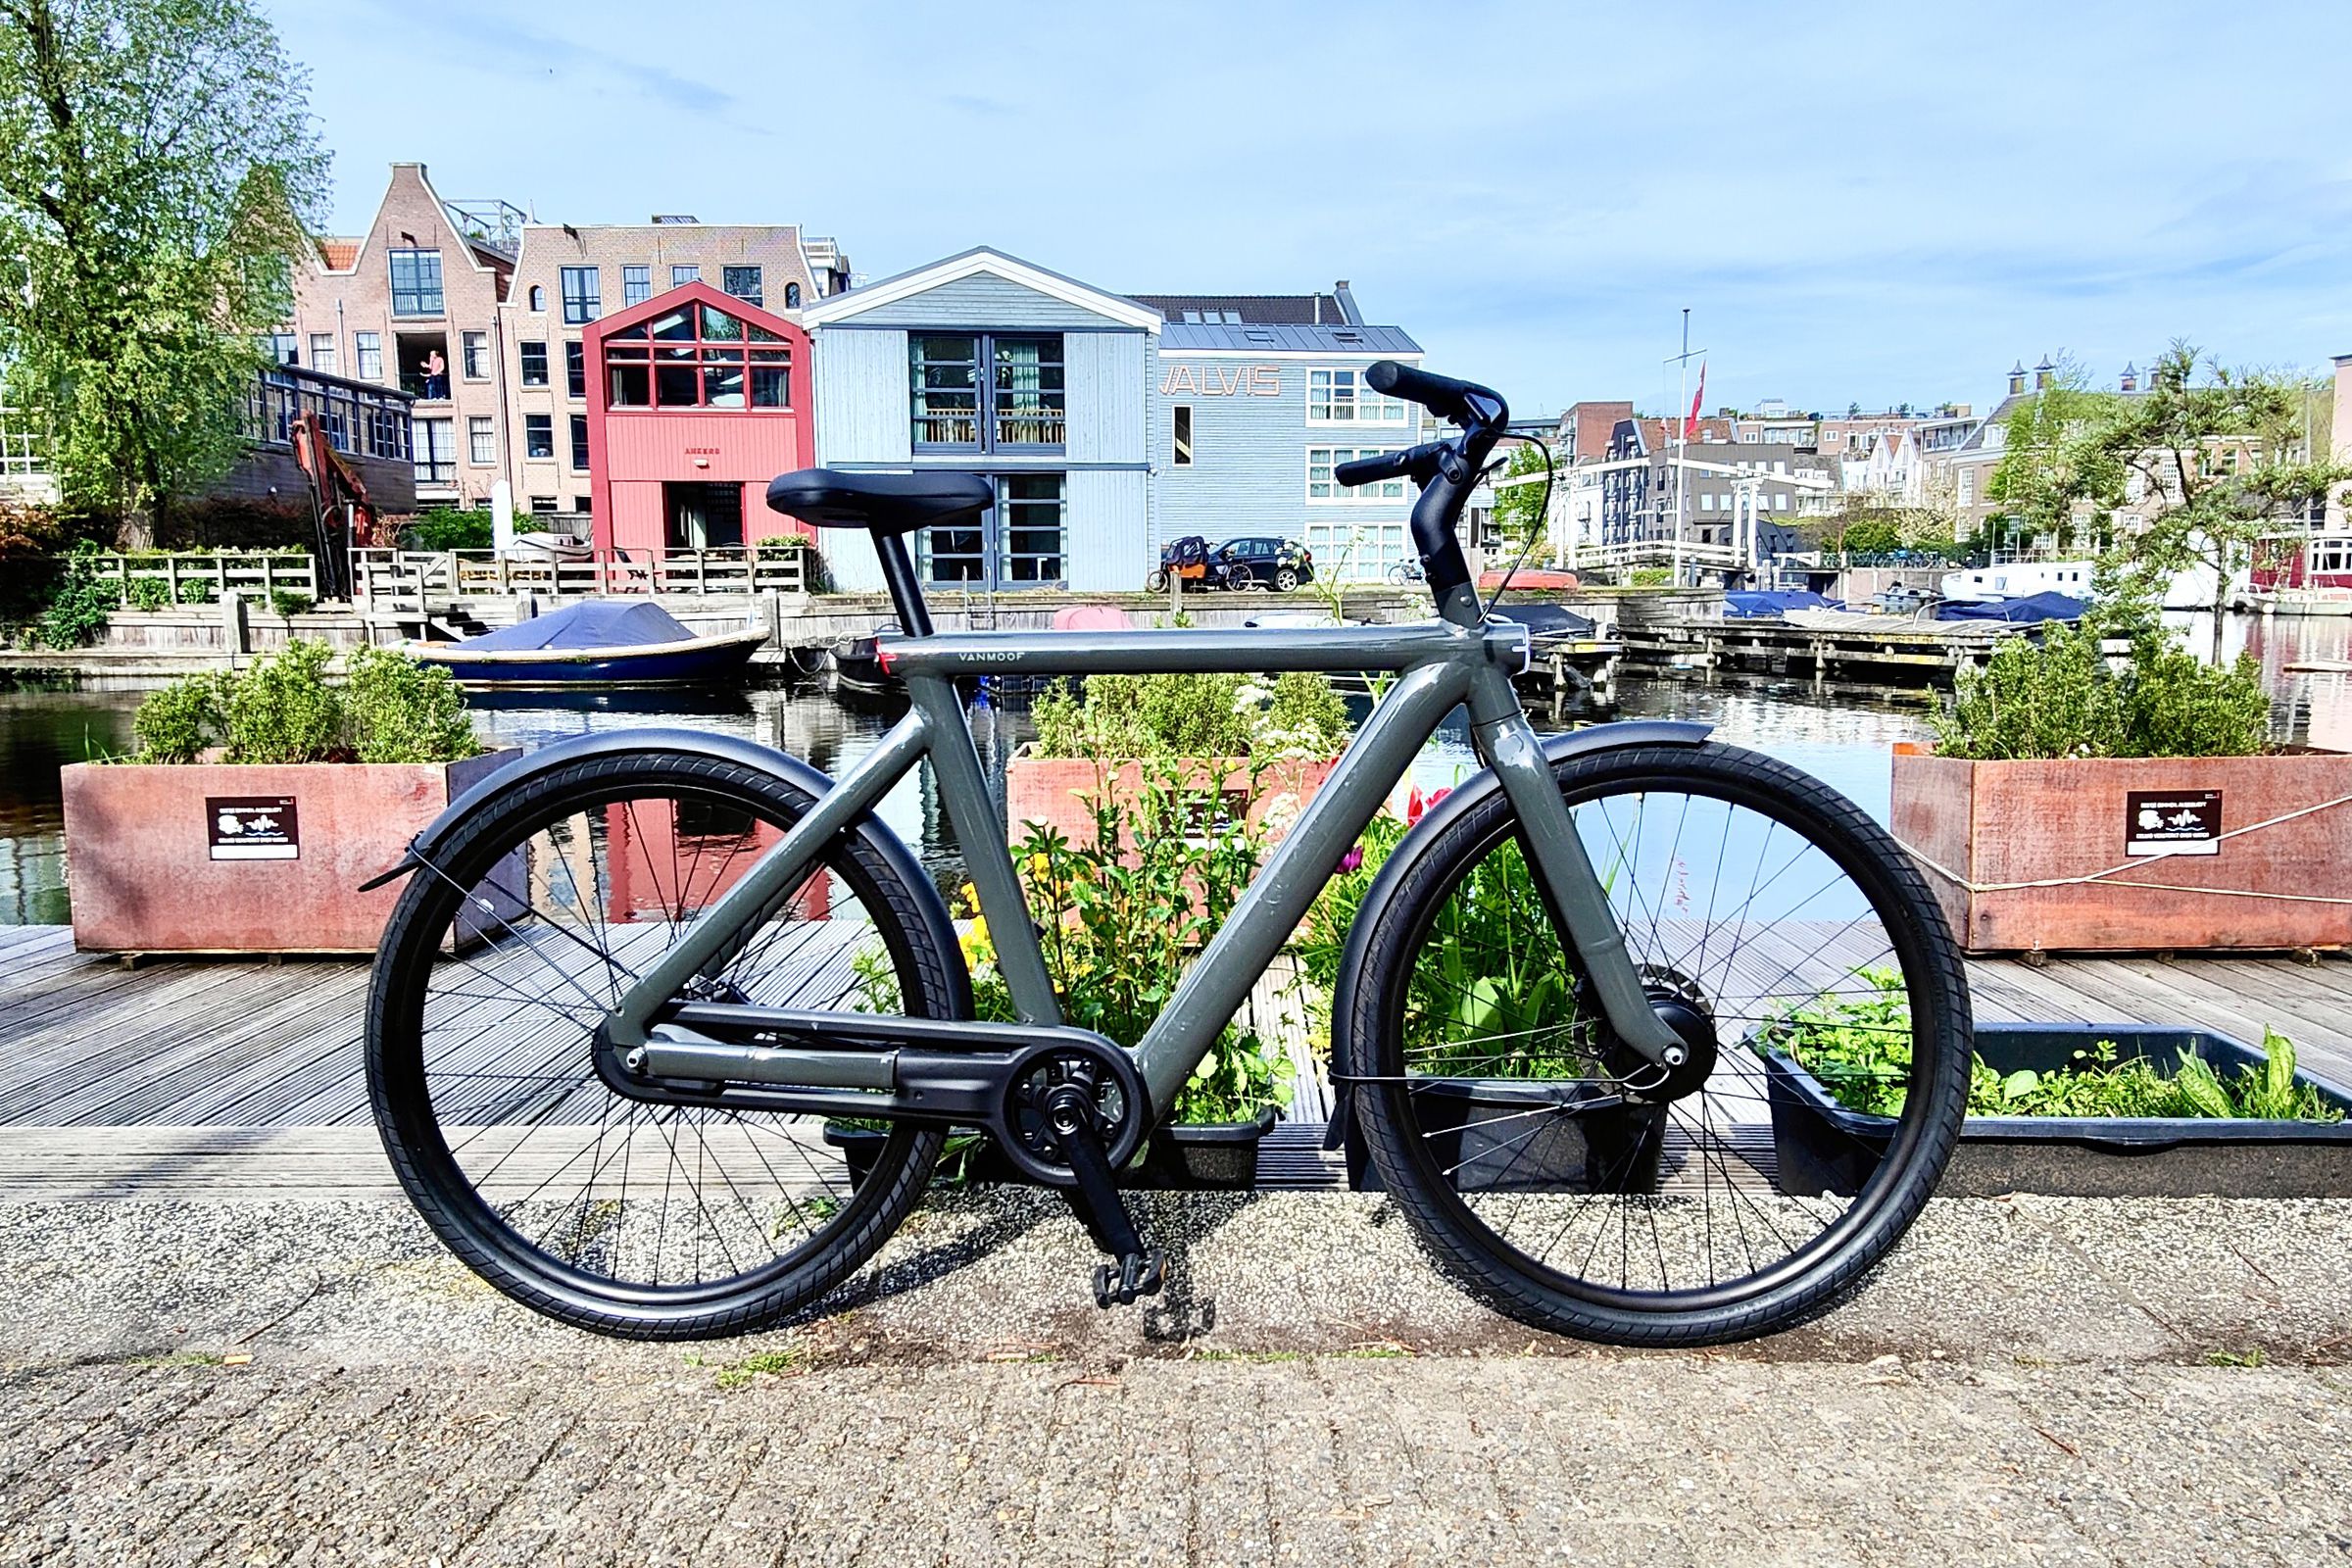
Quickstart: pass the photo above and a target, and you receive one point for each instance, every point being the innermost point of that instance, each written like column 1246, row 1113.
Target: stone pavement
column 2028, row 1381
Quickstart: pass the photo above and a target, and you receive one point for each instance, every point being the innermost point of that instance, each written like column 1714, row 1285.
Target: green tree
column 157, row 162
column 2048, row 468
column 1519, row 508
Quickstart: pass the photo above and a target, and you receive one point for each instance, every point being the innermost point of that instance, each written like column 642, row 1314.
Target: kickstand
column 1140, row 1270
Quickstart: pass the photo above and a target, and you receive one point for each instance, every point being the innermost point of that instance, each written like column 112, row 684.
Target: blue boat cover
column 590, row 624
column 2031, row 608
column 1762, row 604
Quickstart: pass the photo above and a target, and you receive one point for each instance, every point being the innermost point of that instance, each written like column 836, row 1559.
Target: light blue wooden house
column 990, row 365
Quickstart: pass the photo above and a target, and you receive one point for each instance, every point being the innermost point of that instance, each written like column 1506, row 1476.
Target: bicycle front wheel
column 1812, row 978
column 650, row 1221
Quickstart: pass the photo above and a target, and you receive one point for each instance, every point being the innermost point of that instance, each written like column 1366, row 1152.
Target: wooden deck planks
column 85, row 1042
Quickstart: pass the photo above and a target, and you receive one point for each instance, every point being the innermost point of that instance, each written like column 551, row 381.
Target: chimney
column 2044, row 373
column 2131, row 382
column 2017, row 379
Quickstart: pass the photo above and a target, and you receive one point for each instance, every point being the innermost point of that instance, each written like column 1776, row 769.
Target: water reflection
column 1843, row 739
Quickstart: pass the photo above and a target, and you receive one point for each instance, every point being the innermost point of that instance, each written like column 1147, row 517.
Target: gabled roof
column 699, row 293
column 981, row 258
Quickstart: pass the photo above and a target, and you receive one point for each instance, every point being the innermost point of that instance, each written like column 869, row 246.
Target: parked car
column 1281, row 565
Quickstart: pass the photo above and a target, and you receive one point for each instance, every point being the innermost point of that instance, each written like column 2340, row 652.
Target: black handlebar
column 1465, row 403
column 1414, row 461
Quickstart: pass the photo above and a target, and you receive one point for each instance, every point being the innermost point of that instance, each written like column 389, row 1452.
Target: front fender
column 871, row 835
column 1557, row 749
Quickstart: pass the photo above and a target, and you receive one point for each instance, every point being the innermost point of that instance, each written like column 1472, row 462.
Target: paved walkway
column 2031, row 1379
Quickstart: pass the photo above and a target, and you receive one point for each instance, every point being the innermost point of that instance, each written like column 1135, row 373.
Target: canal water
column 1843, row 739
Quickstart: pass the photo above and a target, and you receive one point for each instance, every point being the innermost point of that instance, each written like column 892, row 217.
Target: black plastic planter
column 1504, row 1135
column 1214, row 1157
column 1824, row 1148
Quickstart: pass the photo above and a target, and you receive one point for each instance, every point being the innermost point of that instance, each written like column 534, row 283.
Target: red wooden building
column 695, row 400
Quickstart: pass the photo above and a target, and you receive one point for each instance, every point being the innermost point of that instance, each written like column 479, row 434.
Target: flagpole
column 1681, row 427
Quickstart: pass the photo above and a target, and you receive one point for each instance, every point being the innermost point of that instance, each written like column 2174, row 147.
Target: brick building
column 484, row 323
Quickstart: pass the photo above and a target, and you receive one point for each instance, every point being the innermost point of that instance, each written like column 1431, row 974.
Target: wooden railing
column 415, row 574
column 257, row 573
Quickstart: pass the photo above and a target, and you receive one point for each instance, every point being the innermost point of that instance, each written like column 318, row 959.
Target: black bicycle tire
column 1472, row 1256
column 459, row 1217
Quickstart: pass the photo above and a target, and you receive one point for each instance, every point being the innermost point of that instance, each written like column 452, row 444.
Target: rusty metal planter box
column 149, row 869
column 1992, row 826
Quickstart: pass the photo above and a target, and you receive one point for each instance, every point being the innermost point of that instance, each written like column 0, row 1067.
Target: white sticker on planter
column 253, row 827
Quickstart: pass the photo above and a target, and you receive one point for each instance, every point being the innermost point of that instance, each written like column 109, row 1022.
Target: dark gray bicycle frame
column 1439, row 664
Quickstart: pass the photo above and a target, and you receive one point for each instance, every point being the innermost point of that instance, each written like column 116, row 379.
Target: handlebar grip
column 1441, row 395
column 1371, row 470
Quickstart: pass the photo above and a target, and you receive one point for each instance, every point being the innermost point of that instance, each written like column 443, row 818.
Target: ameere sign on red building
column 695, row 400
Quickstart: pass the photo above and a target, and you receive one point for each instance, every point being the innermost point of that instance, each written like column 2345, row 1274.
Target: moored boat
column 595, row 643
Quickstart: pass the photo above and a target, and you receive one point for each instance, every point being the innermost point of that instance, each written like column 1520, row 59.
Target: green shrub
column 1169, row 715
column 149, row 593
column 176, row 723
column 281, row 709
column 2059, row 697
column 80, row 602
column 286, row 602
column 197, row 591
column 398, row 709
column 449, row 529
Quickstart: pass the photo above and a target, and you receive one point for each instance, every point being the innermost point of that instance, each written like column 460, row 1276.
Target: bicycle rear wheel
column 651, row 1221
column 1578, row 1188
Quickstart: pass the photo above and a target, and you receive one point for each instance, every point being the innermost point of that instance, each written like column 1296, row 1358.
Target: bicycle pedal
column 1133, row 1276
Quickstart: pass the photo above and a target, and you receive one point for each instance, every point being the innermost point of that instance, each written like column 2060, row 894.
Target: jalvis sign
column 1221, row 381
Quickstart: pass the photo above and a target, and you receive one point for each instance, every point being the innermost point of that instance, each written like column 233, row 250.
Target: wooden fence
column 256, row 574
column 414, row 575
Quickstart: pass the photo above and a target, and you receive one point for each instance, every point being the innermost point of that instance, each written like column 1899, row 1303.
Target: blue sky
column 1872, row 203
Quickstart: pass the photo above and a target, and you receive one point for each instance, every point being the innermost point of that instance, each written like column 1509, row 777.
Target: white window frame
column 473, row 354
column 1345, row 400
column 481, row 440
column 1336, row 494
column 1335, row 544
column 367, row 356
column 322, row 345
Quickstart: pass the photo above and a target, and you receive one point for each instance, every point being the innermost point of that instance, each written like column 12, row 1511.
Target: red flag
column 1690, row 424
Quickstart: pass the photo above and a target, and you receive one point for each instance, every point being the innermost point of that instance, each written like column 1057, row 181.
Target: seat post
column 906, row 588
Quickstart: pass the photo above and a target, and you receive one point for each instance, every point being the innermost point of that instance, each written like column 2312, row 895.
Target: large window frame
column 1020, row 543
column 583, row 290
column 1338, row 395
column 697, row 356
column 417, row 283
column 745, row 282
column 436, row 452
column 1027, row 392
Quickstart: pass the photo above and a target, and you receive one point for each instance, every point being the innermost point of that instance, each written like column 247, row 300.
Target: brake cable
column 1542, row 518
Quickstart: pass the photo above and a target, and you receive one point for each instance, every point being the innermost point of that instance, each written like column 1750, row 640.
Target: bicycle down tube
column 1439, row 665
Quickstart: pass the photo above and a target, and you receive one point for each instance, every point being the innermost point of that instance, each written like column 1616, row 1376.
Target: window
column 1780, row 503
column 1341, row 397
column 743, row 283
column 583, row 504
column 416, row 282
column 575, row 370
column 791, row 296
column 1181, row 430
column 367, row 348
column 284, row 348
column 538, row 435
column 1016, row 544
column 1322, row 486
column 475, row 346
column 581, row 302
column 579, row 442
column 1965, row 483
column 1027, row 397
column 542, row 505
column 636, row 287
column 538, row 297
column 481, row 440
column 1706, row 501
column 682, row 274
column 697, row 357
column 322, row 352
column 1357, row 552
column 534, row 363
column 436, row 452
